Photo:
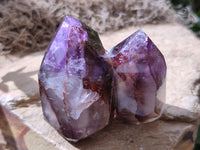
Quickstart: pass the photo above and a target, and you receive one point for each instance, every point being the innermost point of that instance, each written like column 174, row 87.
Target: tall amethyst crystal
column 75, row 82
column 140, row 72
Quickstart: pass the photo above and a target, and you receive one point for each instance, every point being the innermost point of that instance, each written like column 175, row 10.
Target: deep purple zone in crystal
column 140, row 70
column 75, row 82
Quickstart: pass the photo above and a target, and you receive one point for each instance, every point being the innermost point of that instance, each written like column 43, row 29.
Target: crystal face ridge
column 75, row 82
column 140, row 71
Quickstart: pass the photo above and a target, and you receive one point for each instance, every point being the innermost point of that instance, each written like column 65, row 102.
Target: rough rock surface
column 15, row 135
column 181, row 50
column 18, row 80
column 151, row 136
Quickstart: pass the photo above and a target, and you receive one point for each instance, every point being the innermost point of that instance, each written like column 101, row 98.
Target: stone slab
column 15, row 135
column 152, row 136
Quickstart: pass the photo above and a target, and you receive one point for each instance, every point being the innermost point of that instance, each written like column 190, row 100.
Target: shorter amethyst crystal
column 75, row 82
column 139, row 71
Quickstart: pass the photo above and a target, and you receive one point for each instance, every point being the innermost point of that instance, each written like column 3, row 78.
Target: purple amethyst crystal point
column 140, row 71
column 75, row 82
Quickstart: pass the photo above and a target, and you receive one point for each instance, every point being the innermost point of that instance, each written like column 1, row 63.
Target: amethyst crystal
column 79, row 86
column 139, row 70
column 75, row 82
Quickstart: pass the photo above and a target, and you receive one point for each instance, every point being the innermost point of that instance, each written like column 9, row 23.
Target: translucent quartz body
column 139, row 75
column 76, row 82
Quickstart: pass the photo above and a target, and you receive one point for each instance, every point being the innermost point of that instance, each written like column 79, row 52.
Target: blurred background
column 28, row 26
column 189, row 10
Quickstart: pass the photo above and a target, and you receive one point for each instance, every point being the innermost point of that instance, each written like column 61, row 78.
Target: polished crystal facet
column 76, row 82
column 139, row 72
